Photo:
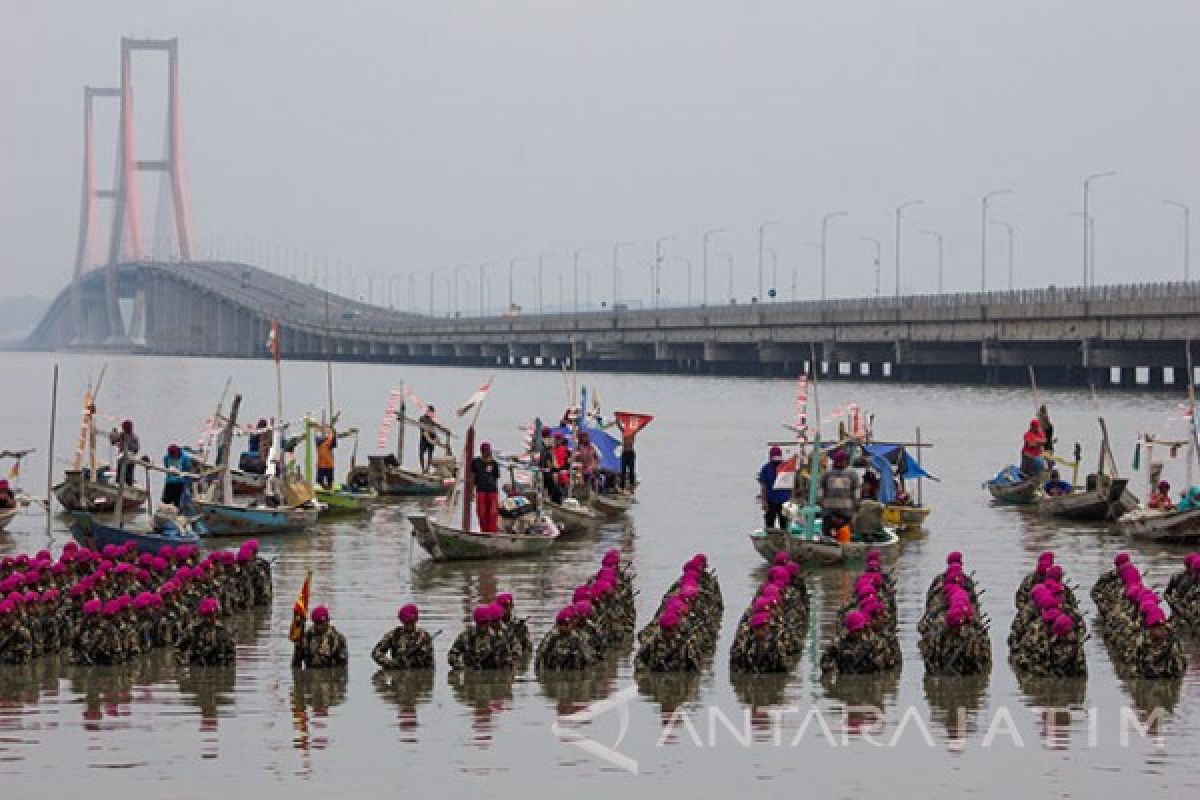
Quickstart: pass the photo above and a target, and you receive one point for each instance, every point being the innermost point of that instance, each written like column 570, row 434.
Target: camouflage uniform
column 759, row 652
column 965, row 650
column 401, row 648
column 1106, row 591
column 480, row 648
column 668, row 653
column 318, row 650
column 851, row 653
column 1158, row 654
column 516, row 630
column 16, row 642
column 565, row 649
column 1183, row 596
column 207, row 644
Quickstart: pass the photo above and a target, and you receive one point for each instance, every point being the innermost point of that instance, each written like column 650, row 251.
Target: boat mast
column 402, row 416
column 224, row 486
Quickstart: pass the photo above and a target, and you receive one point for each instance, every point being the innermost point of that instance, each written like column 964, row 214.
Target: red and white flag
column 631, row 422
column 389, row 415
column 474, row 400
column 785, row 475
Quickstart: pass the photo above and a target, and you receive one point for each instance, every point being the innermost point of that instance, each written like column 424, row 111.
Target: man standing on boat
column 1033, row 443
column 174, row 484
column 839, row 493
column 128, row 446
column 326, row 440
column 486, row 472
column 628, row 459
column 771, row 497
column 427, row 425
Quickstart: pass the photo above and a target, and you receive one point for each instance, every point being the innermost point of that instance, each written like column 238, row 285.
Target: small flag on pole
column 474, row 400
column 631, row 422
column 300, row 610
column 785, row 474
column 273, row 340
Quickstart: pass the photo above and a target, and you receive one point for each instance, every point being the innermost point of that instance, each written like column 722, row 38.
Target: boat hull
column 1026, row 492
column 339, row 501
column 612, row 505
column 822, row 551
column 227, row 520
column 905, row 518
column 397, row 481
column 575, row 520
column 97, row 498
column 444, row 543
column 95, row 535
column 1168, row 527
column 1101, row 505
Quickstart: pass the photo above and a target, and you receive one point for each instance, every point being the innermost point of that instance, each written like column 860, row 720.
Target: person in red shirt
column 1031, row 451
column 1160, row 498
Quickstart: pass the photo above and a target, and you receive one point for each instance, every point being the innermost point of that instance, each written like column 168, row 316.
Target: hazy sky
column 398, row 136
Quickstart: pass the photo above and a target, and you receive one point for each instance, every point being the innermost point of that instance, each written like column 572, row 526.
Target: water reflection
column 759, row 689
column 406, row 689
column 106, row 694
column 955, row 703
column 573, row 689
column 486, row 693
column 1047, row 691
column 208, row 689
column 877, row 689
column 314, row 692
column 669, row 690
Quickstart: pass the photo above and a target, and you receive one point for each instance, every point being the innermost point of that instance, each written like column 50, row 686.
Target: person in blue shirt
column 1056, row 486
column 173, row 484
column 772, row 498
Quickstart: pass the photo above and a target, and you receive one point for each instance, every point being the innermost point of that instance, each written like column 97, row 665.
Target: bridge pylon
column 126, row 241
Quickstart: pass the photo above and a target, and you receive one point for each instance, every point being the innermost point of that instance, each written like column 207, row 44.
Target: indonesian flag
column 389, row 414
column 14, row 472
column 273, row 340
column 300, row 610
column 630, row 422
column 785, row 476
column 474, row 400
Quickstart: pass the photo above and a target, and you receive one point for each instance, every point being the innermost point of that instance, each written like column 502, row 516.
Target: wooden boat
column 1105, row 499
column 905, row 518
column 574, row 517
column 345, row 500
column 384, row 475
column 225, row 519
column 1167, row 527
column 94, row 534
column 821, row 550
column 219, row 516
column 387, row 474
column 612, row 504
column 79, row 492
column 1012, row 488
column 446, row 543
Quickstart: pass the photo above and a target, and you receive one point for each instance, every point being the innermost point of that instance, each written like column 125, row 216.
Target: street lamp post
column 482, row 281
column 825, row 245
column 899, row 217
column 704, row 267
column 688, row 262
column 729, row 264
column 1008, row 228
column 878, row 255
column 512, row 267
column 1089, row 255
column 761, row 229
column 616, row 255
column 587, row 290
column 541, row 262
column 432, row 272
column 1187, row 235
column 941, row 252
column 983, row 232
column 575, row 275
column 656, row 275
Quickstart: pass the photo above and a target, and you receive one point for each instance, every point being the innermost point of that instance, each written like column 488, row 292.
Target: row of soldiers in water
column 111, row 606
column 1143, row 641
column 599, row 617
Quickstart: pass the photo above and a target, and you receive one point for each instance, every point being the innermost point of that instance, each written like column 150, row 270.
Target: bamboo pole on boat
column 50, row 452
column 401, row 415
column 1195, row 452
column 920, row 493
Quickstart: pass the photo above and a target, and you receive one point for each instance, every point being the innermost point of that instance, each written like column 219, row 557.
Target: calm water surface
column 157, row 730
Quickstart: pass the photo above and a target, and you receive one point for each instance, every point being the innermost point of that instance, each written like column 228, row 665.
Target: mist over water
column 258, row 727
